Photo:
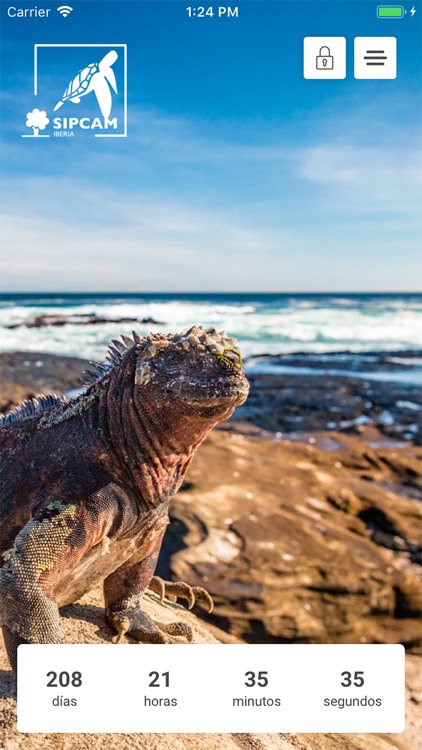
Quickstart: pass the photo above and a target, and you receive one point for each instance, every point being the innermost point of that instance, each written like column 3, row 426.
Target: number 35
column 357, row 679
column 252, row 679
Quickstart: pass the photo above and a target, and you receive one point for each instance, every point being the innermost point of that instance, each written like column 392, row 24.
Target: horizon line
column 210, row 291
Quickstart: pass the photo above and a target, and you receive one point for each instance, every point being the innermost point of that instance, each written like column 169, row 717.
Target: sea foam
column 263, row 324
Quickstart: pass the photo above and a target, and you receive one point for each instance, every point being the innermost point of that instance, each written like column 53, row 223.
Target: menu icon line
column 373, row 55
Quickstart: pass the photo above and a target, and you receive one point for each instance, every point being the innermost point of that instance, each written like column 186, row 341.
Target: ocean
column 263, row 323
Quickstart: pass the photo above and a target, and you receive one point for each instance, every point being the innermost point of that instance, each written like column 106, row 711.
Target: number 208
column 64, row 679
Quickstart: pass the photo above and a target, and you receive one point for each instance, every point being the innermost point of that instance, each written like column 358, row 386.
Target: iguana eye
column 225, row 362
column 233, row 356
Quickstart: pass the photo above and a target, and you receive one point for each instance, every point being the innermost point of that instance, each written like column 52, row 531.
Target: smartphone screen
column 210, row 335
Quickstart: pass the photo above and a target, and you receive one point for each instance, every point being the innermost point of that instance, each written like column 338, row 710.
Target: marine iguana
column 86, row 483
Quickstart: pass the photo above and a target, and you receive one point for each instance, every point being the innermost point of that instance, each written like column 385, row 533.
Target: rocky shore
column 354, row 393
column 306, row 534
column 328, row 393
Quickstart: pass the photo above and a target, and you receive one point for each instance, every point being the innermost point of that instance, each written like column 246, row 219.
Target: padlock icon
column 325, row 61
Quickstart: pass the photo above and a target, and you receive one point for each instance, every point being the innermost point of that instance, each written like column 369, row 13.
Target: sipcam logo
column 99, row 89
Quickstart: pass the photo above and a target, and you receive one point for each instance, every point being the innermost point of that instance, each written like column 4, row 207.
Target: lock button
column 325, row 61
column 324, row 57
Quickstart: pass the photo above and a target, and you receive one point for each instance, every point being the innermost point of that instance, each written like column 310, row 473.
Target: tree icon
column 37, row 120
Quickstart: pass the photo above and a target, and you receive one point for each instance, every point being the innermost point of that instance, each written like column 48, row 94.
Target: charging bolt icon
column 325, row 61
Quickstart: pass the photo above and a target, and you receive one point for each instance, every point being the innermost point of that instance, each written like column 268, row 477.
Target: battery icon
column 390, row 11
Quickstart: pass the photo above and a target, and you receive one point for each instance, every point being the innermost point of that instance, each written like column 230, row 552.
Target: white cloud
column 361, row 179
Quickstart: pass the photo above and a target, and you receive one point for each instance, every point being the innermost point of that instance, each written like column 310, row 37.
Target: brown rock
column 295, row 544
column 41, row 373
column 12, row 395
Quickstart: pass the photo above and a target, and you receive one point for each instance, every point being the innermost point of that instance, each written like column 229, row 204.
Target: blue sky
column 236, row 175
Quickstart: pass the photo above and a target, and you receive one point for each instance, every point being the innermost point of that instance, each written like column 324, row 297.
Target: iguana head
column 198, row 368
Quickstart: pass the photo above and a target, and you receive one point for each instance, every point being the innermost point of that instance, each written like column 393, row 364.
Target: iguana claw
column 174, row 589
column 145, row 630
column 122, row 627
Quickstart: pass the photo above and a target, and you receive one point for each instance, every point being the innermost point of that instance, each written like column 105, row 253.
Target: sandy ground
column 83, row 623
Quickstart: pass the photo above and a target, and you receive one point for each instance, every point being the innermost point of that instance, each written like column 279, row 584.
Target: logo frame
column 108, row 46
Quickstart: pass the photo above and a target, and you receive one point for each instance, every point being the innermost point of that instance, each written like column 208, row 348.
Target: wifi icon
column 64, row 10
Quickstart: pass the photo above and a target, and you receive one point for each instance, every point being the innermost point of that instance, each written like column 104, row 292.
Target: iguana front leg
column 123, row 591
column 44, row 550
